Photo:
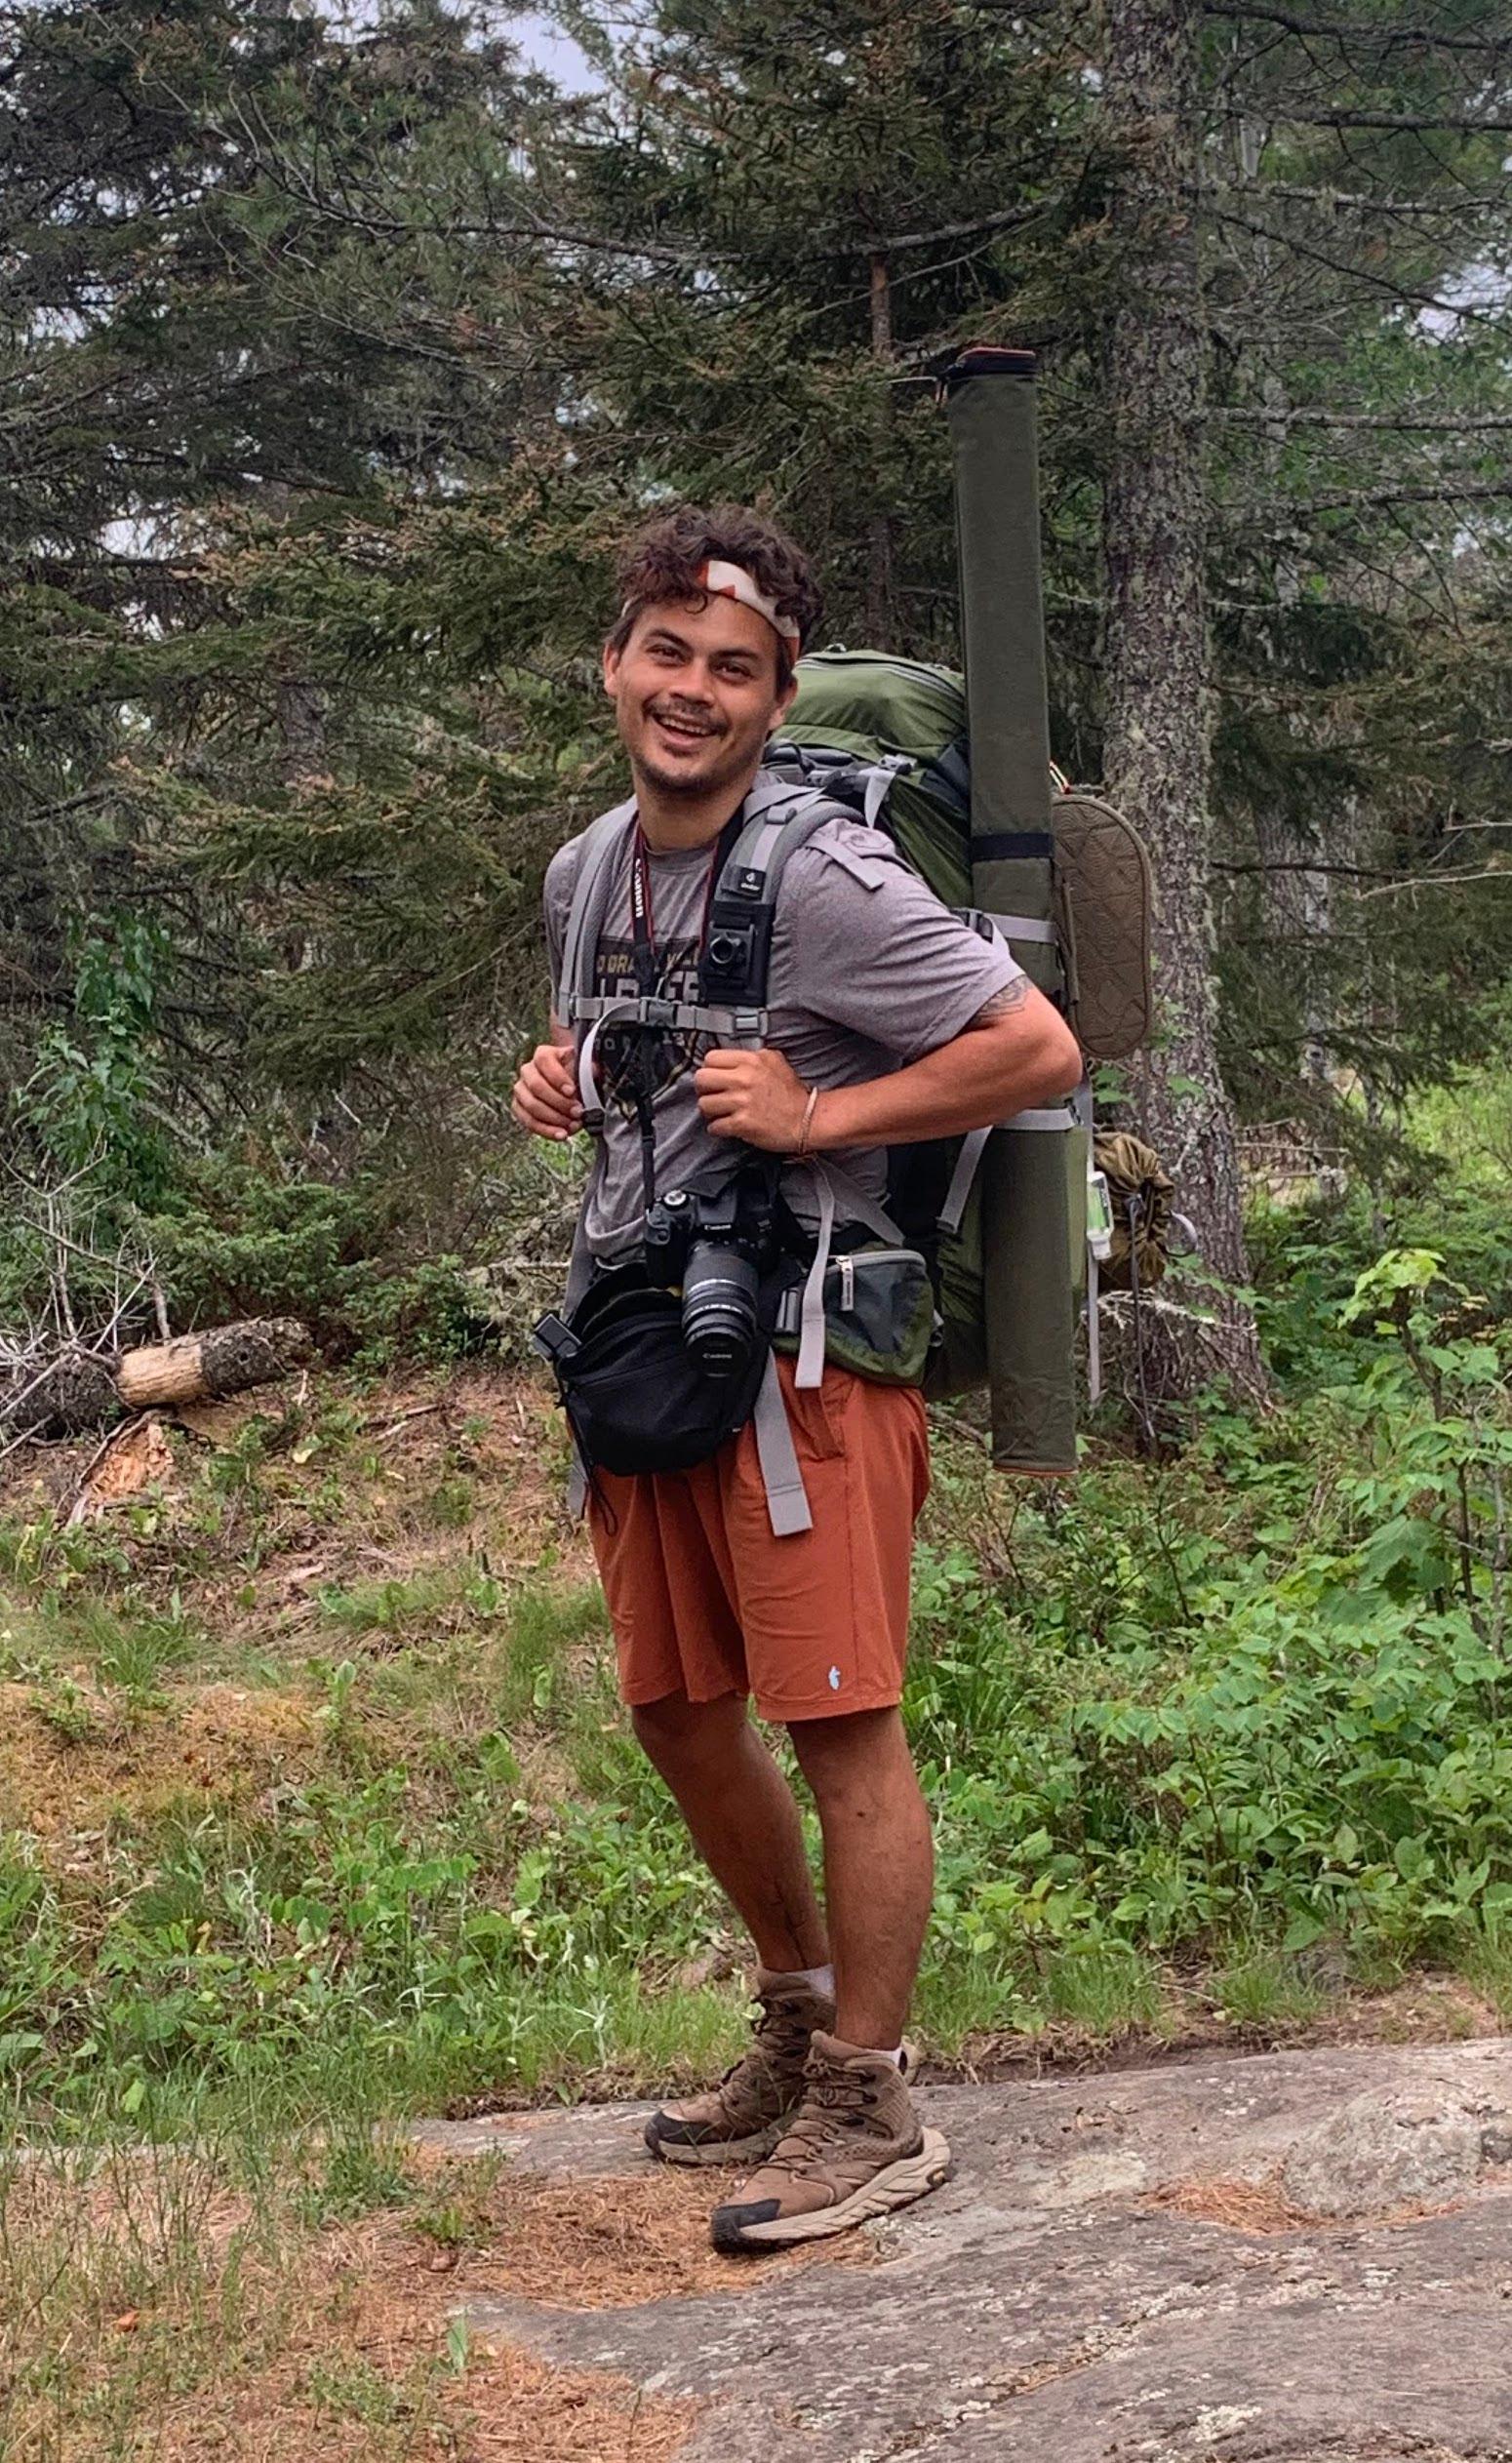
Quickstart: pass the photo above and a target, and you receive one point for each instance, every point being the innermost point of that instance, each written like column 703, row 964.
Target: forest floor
column 319, row 1813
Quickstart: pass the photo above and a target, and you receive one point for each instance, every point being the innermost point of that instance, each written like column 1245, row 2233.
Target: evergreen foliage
column 336, row 357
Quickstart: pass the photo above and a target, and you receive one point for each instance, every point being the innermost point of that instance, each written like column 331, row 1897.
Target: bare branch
column 1450, row 204
column 1353, row 31
column 1454, row 123
column 1398, row 290
column 1405, row 423
column 1440, row 881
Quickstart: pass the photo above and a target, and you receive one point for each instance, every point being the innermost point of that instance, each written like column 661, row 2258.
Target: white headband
column 732, row 581
column 722, row 581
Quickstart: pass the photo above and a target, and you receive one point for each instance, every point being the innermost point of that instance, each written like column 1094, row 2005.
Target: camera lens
column 719, row 1308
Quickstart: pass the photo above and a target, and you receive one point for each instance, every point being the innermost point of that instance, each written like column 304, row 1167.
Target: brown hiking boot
column 742, row 2117
column 856, row 2149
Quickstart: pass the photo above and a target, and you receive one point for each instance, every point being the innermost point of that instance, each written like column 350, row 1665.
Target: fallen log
column 84, row 1389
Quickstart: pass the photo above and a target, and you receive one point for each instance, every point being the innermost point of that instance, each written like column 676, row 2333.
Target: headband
column 721, row 581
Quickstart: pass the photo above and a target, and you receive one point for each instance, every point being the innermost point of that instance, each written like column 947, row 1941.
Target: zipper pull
column 848, row 1283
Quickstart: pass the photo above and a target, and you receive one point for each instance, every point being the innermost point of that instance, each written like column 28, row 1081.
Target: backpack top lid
column 889, row 705
column 879, row 709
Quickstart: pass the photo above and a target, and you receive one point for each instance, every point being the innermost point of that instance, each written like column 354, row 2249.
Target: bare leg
column 879, row 1865
column 745, row 1821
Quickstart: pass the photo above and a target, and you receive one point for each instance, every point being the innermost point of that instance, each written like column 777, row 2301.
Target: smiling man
column 887, row 1021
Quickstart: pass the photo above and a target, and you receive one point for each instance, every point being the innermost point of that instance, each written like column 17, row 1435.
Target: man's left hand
column 753, row 1095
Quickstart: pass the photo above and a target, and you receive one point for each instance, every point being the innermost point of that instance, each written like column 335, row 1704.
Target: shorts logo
column 834, row 1680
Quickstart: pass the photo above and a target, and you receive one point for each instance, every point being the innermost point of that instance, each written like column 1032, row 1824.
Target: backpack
column 883, row 740
column 861, row 714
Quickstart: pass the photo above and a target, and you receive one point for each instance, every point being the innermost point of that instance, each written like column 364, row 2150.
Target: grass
column 291, row 2299
column 323, row 1794
column 322, row 1811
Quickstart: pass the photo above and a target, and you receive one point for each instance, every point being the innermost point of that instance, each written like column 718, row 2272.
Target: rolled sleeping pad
column 1026, row 1199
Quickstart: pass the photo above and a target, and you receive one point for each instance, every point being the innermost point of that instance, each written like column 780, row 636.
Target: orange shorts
column 705, row 1600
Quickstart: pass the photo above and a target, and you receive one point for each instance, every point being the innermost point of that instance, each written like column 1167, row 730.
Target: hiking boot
column 856, row 2149
column 741, row 2118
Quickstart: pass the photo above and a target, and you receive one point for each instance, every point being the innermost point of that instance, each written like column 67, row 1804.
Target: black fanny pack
column 635, row 1397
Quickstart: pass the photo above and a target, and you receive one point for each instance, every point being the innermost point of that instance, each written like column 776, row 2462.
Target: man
column 889, row 1020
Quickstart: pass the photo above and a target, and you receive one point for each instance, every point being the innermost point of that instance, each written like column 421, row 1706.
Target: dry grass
column 1255, row 2207
column 1262, row 2206
column 392, row 1446
column 153, row 2308
column 215, row 1742
column 614, row 2243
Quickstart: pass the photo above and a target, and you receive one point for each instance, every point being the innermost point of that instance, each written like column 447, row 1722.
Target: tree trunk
column 1157, row 747
column 879, row 539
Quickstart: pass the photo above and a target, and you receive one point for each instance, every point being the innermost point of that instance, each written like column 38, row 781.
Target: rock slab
column 1299, row 2257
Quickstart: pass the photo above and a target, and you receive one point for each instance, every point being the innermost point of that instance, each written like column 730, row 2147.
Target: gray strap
column 811, row 1314
column 854, row 1204
column 683, row 1016
column 759, row 845
column 587, row 1083
column 787, row 1501
column 576, row 1486
column 761, row 854
column 665, row 1014
column 880, row 780
column 973, row 1146
column 590, row 900
column 1025, row 927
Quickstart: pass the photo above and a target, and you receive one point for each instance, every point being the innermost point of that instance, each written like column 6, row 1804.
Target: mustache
column 684, row 717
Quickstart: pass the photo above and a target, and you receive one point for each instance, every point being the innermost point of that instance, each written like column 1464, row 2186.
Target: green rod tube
column 1029, row 1301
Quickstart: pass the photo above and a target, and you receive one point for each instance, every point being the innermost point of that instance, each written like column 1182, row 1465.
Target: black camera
column 717, row 1247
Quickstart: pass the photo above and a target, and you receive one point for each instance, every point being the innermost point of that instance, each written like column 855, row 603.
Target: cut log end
column 205, row 1367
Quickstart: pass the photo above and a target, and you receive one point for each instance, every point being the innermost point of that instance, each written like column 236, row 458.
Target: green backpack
column 887, row 738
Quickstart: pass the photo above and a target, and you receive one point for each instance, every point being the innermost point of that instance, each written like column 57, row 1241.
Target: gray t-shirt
column 868, row 972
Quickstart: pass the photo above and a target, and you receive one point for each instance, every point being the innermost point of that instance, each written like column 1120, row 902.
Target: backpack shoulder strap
column 782, row 814
column 590, row 901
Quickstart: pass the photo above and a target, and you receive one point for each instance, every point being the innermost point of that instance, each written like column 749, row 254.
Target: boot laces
column 782, row 2034
column 833, row 2098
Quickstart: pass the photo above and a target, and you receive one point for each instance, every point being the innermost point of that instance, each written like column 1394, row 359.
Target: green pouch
column 879, row 1315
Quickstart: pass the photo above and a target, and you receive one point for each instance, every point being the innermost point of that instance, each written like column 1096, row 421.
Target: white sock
column 881, row 2053
column 819, row 1979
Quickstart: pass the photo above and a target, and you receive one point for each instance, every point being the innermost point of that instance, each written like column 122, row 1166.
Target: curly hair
column 664, row 559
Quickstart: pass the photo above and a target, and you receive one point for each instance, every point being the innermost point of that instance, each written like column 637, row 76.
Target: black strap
column 1004, row 845
column 650, row 974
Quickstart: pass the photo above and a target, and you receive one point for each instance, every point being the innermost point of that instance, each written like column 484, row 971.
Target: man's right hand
column 545, row 1093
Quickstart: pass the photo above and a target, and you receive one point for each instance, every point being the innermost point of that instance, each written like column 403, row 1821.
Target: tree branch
column 1353, row 31
column 1452, row 204
column 1244, row 416
column 1454, row 123
column 1400, row 292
